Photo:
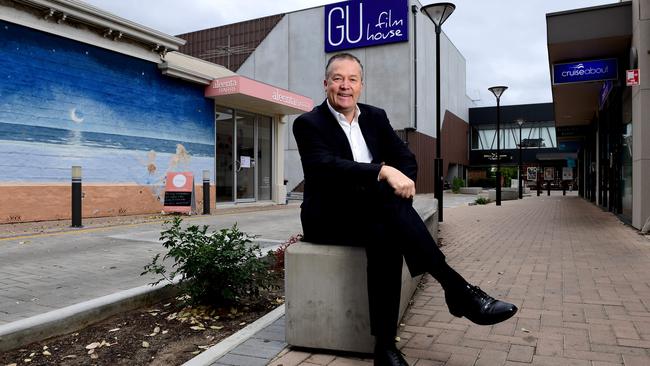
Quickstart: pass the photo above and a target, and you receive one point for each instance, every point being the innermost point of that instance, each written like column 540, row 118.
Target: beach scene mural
column 65, row 103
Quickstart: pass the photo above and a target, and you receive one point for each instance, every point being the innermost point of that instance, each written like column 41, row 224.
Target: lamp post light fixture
column 438, row 13
column 521, row 193
column 498, row 91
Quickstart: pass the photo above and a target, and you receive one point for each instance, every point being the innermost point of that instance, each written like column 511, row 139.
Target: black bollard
column 206, row 192
column 76, row 196
column 539, row 188
column 548, row 188
column 564, row 188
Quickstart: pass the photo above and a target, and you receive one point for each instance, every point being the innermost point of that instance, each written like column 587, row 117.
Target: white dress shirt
column 360, row 152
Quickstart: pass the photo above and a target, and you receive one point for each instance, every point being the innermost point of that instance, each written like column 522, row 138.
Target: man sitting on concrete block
column 359, row 188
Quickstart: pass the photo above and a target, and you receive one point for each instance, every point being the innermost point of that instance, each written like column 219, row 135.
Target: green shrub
column 482, row 201
column 456, row 184
column 217, row 268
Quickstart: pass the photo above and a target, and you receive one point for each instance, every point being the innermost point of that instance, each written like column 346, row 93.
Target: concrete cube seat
column 506, row 194
column 470, row 190
column 327, row 296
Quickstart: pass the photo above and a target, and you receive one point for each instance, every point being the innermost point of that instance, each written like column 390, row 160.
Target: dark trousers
column 400, row 232
column 389, row 228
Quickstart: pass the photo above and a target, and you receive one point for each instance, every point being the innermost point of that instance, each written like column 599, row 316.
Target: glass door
column 264, row 157
column 224, row 158
column 245, row 157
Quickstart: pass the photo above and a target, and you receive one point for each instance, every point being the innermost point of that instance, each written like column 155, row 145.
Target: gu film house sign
column 358, row 23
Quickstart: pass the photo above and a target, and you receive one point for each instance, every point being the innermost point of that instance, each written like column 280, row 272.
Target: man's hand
column 403, row 185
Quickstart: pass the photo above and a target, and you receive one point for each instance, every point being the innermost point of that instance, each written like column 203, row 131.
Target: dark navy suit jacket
column 339, row 192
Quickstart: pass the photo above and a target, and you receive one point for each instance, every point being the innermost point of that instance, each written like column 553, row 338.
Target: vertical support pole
column 498, row 154
column 438, row 166
column 76, row 196
column 206, row 192
column 521, row 190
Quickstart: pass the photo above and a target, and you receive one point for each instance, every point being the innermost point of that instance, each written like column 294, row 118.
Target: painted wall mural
column 65, row 103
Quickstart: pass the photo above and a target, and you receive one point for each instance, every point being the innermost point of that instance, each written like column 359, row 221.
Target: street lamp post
column 438, row 13
column 498, row 91
column 521, row 193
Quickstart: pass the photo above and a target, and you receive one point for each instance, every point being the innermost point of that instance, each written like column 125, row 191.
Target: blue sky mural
column 65, row 103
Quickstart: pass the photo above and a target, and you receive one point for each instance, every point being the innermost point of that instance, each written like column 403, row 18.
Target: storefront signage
column 571, row 131
column 493, row 157
column 225, row 86
column 632, row 77
column 358, row 23
column 244, row 89
column 585, row 71
column 179, row 193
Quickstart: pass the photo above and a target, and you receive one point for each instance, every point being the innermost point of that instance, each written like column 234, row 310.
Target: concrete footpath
column 580, row 277
column 43, row 272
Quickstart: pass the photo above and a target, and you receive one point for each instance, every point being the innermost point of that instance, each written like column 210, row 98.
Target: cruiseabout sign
column 585, row 71
column 358, row 23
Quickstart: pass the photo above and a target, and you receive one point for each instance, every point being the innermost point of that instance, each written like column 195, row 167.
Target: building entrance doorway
column 243, row 156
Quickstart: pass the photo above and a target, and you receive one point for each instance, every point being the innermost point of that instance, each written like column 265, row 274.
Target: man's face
column 343, row 86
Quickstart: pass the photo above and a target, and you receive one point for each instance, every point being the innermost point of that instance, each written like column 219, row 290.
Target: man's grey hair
column 342, row 56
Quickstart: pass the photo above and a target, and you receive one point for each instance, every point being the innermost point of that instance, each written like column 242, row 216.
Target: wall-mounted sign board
column 358, row 23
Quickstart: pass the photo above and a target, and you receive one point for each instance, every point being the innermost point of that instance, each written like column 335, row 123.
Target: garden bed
column 170, row 332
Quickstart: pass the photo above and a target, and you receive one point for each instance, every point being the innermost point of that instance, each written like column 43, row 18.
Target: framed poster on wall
column 549, row 173
column 531, row 173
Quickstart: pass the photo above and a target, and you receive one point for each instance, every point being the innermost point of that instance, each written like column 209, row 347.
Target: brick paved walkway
column 580, row 277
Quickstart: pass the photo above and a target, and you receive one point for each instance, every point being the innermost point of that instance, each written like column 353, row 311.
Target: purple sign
column 355, row 23
column 585, row 71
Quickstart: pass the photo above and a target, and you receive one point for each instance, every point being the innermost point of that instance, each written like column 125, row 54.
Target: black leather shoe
column 477, row 306
column 389, row 355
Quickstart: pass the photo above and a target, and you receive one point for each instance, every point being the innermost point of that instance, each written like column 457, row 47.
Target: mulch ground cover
column 167, row 333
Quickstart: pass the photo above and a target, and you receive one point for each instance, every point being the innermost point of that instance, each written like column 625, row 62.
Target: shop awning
column 598, row 32
column 250, row 95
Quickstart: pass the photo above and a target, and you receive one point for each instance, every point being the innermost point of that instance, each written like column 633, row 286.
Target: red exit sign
column 632, row 77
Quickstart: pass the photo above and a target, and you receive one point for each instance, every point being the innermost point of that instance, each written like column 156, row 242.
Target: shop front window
column 538, row 137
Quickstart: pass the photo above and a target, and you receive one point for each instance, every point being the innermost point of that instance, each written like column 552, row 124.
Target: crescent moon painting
column 75, row 117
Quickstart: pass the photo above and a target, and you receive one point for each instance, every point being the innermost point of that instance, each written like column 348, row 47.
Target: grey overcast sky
column 503, row 41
